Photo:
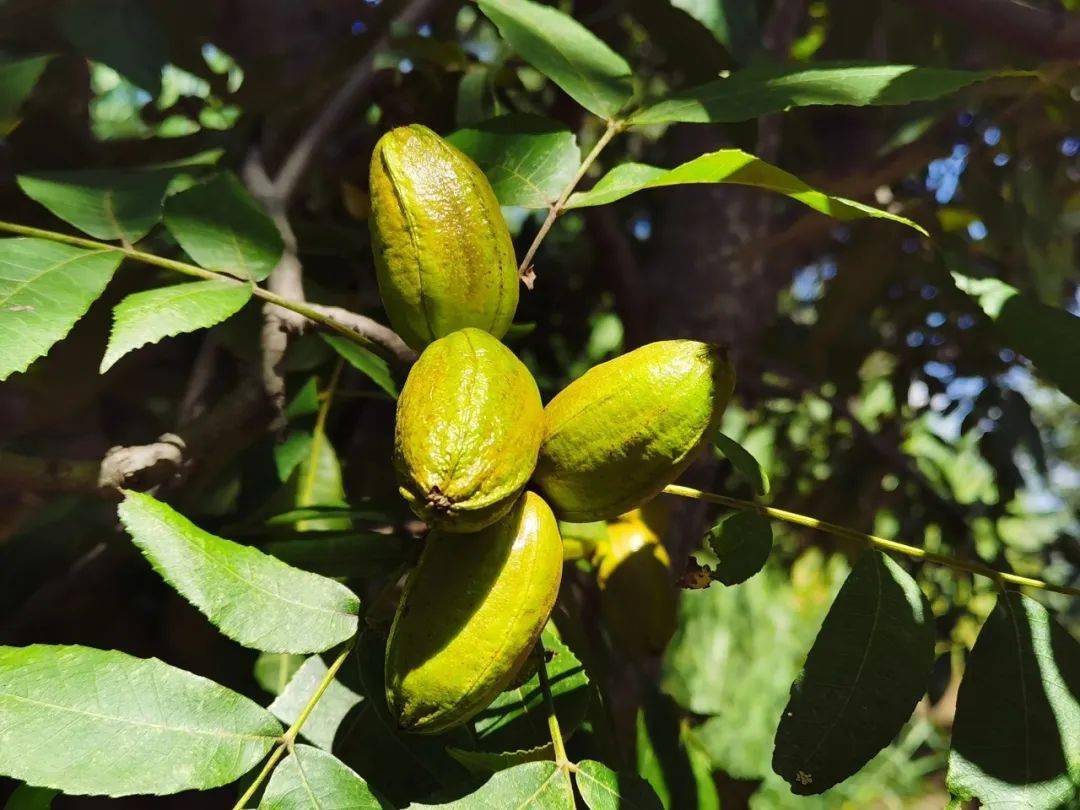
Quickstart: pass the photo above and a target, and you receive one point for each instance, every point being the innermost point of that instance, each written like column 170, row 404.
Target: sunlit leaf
column 566, row 52
column 528, row 159
column 147, row 317
column 680, row 774
column 251, row 597
column 89, row 721
column 734, row 23
column 273, row 671
column 222, row 228
column 760, row 90
column 1046, row 335
column 310, row 779
column 866, row 671
column 325, row 719
column 113, row 204
column 45, row 288
column 532, row 786
column 1016, row 737
column 726, row 166
column 605, row 789
column 741, row 459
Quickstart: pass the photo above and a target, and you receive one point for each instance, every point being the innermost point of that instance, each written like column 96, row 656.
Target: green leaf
column 866, row 671
column 88, row 721
column 1046, row 335
column 317, row 483
column 27, row 797
column 528, row 159
column 678, row 772
column 310, row 779
column 273, row 671
column 45, row 288
column 741, row 459
column 114, row 204
column 342, row 554
column 253, row 598
column 402, row 767
column 17, row 80
column 566, row 52
column 604, row 789
column 517, row 720
column 222, row 228
column 1016, row 737
column 325, row 719
column 742, row 542
column 765, row 89
column 147, row 317
column 484, row 762
column 532, row 786
column 726, row 166
column 733, row 22
column 123, row 34
column 366, row 362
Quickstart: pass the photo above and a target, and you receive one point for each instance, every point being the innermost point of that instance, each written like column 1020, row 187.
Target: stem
column 613, row 129
column 552, row 719
column 199, row 272
column 289, row 736
column 917, row 553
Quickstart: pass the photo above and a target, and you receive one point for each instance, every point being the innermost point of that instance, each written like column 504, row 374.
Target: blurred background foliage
column 874, row 392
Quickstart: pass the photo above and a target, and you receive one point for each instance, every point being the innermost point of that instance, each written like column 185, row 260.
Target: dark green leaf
column 1016, row 737
column 401, row 767
column 147, row 317
column 116, row 204
column 45, row 288
column 866, row 671
column 310, row 779
column 366, row 362
column 222, row 228
column 742, row 542
column 27, row 797
column 532, row 786
column 326, row 717
column 679, row 773
column 742, row 461
column 251, row 597
column 765, row 89
column 733, row 22
column 566, row 52
column 343, row 554
column 89, row 721
column 726, row 166
column 516, row 719
column 17, row 80
column 604, row 789
column 1046, row 335
column 123, row 34
column 528, row 159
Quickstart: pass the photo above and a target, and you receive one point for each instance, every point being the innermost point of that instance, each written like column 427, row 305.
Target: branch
column 299, row 158
column 882, row 543
column 1045, row 33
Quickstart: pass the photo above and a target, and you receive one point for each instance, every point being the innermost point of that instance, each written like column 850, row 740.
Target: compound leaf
column 311, row 779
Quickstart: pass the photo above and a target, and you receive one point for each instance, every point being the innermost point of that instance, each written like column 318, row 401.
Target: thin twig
column 289, row 737
column 561, row 760
column 525, row 269
column 869, row 539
